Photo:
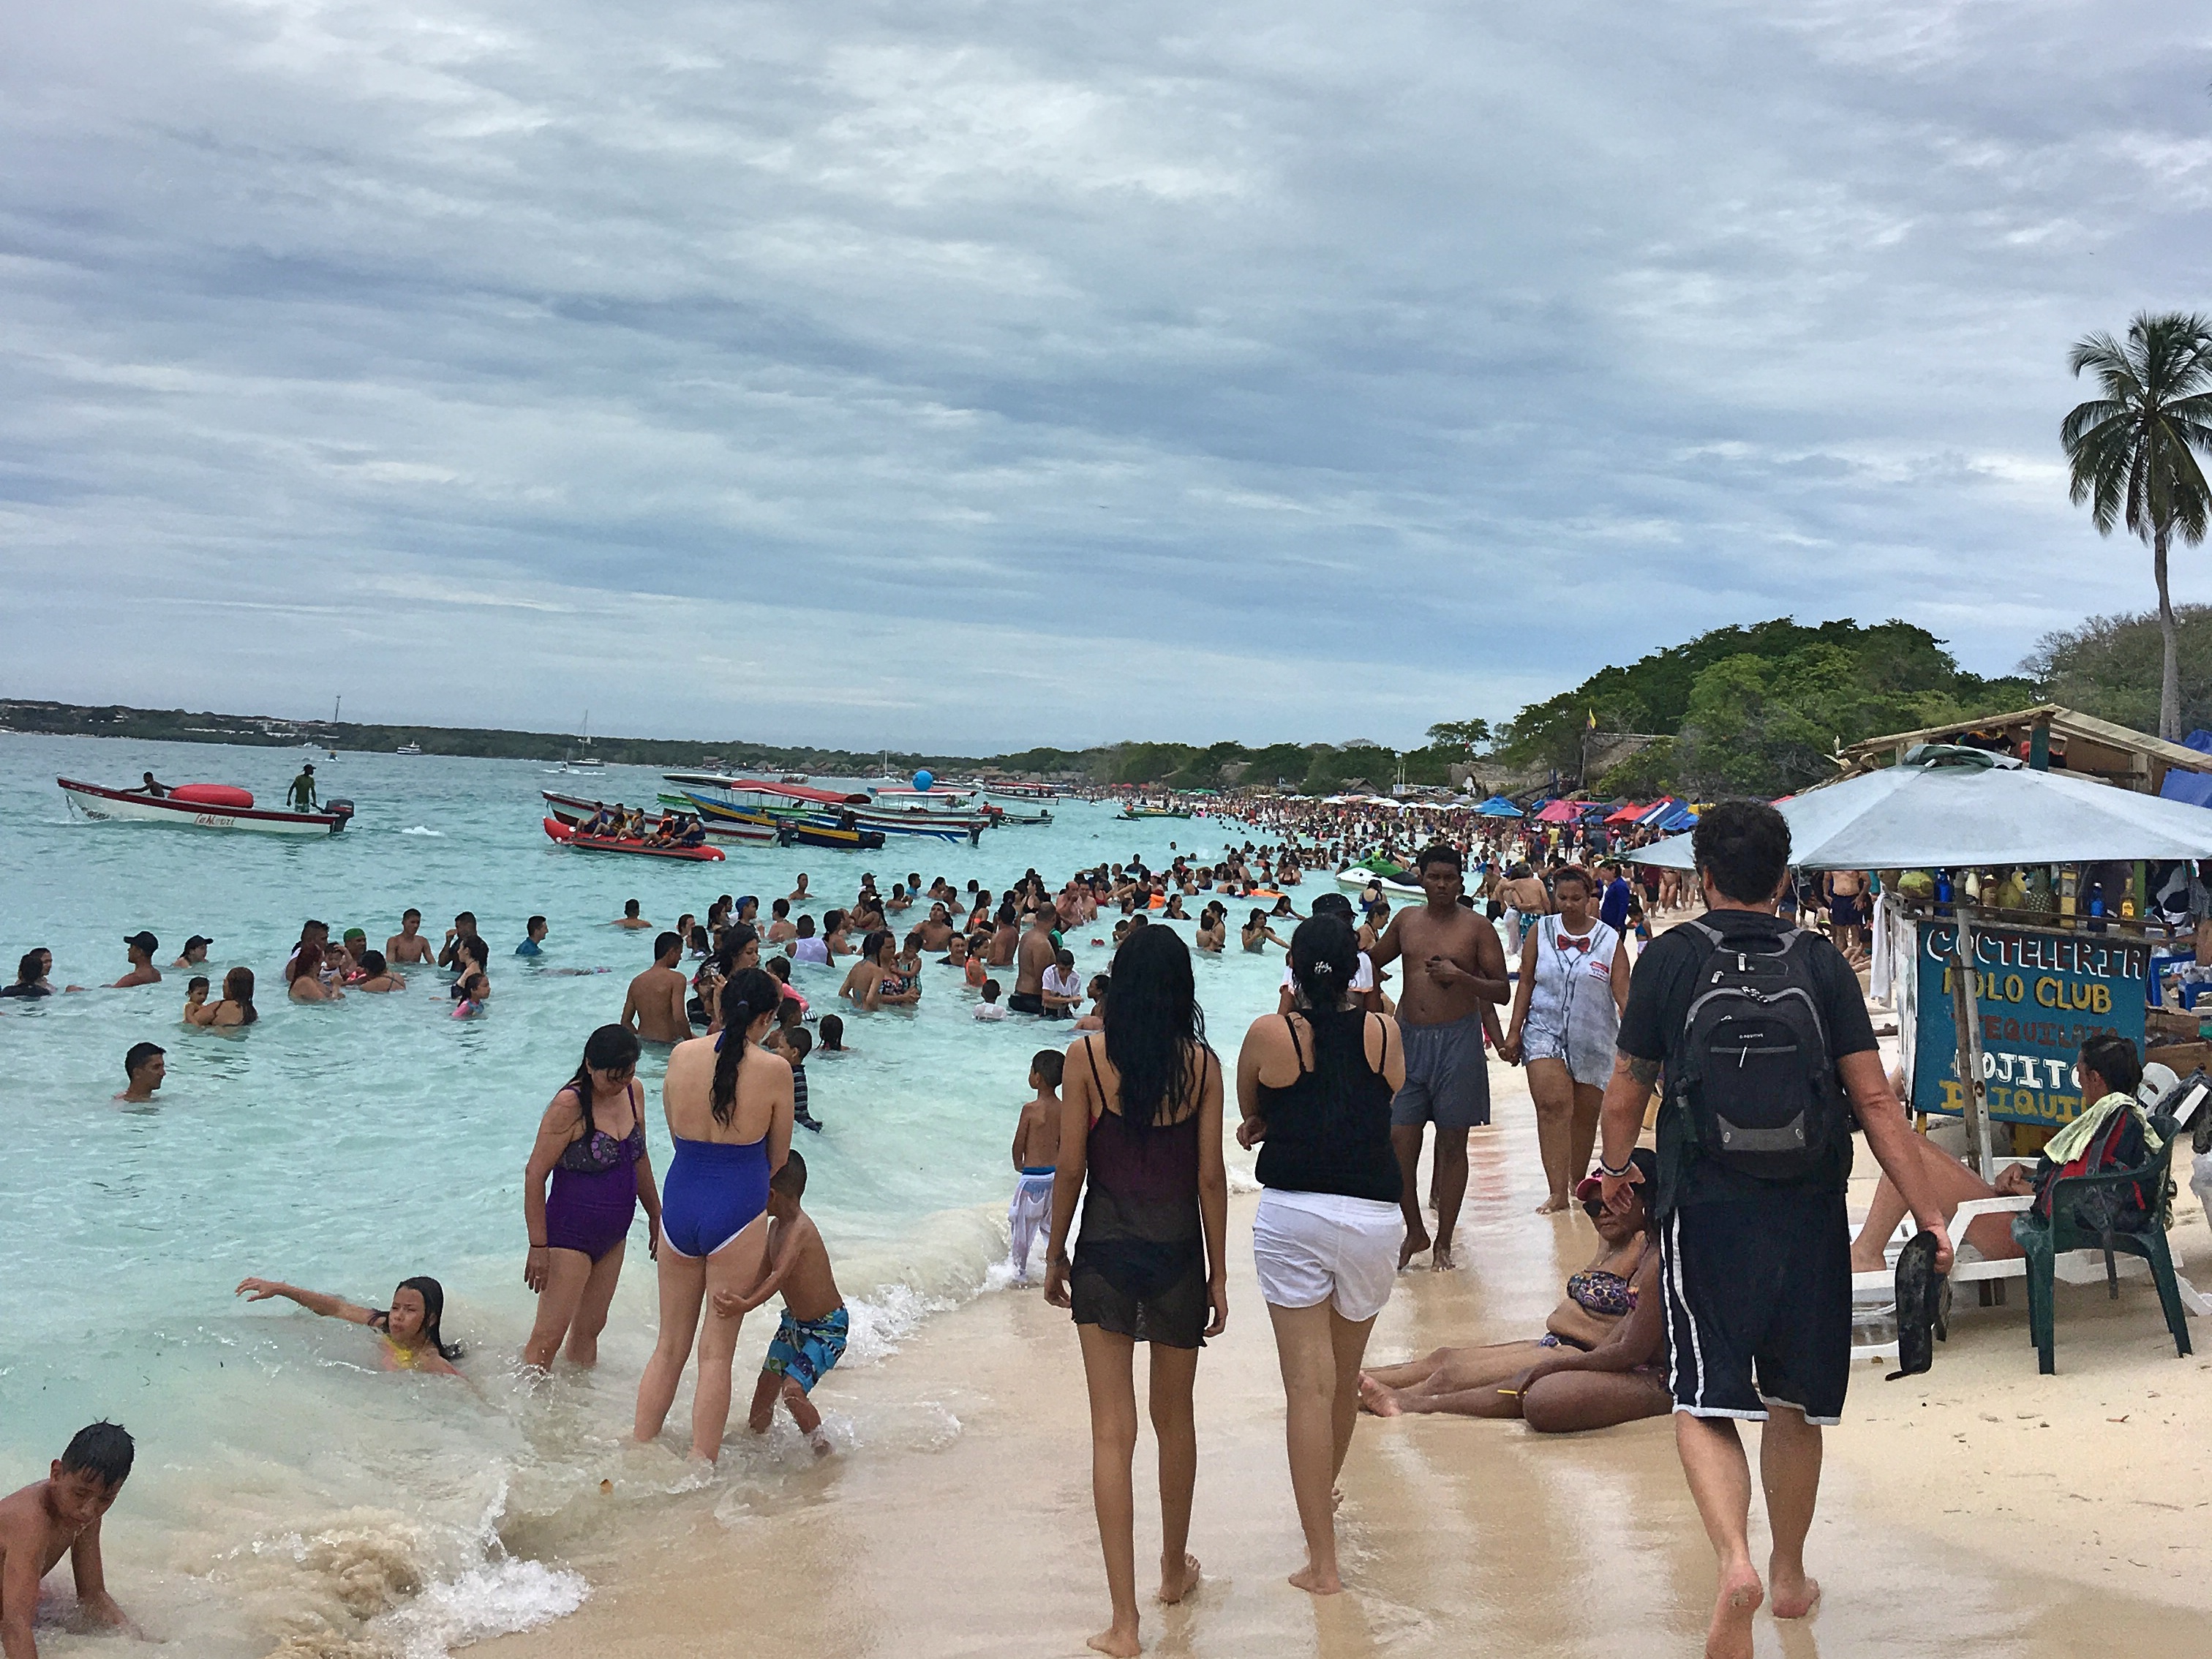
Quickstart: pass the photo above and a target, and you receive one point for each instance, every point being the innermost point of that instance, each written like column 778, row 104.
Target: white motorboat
column 200, row 805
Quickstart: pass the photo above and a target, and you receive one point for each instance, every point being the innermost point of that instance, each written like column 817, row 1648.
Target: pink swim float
column 213, row 795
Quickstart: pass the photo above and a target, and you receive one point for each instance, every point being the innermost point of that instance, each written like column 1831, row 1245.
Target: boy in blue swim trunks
column 811, row 1338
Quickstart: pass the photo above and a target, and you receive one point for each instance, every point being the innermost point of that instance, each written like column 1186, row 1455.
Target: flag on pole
column 1591, row 725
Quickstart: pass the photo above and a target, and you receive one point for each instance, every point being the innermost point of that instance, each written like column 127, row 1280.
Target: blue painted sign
column 2040, row 993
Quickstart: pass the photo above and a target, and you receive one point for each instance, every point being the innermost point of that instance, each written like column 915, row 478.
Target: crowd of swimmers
column 1338, row 1091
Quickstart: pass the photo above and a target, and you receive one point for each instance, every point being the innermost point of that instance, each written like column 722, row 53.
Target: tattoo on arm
column 1645, row 1072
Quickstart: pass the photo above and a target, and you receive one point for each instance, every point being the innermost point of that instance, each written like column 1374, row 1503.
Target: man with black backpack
column 1761, row 1034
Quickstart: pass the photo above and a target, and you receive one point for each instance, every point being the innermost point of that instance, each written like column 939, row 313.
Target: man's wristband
column 1612, row 1174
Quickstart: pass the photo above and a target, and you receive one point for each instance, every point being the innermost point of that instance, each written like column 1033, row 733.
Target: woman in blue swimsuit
column 729, row 1107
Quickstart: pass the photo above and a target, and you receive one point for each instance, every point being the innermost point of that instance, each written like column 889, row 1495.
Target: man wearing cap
column 1756, row 1270
column 143, row 1068
column 142, row 946
column 302, row 796
column 195, row 954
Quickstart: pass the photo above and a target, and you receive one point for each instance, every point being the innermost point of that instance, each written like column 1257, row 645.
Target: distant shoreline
column 269, row 732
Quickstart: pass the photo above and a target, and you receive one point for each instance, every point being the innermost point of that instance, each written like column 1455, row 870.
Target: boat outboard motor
column 786, row 833
column 340, row 809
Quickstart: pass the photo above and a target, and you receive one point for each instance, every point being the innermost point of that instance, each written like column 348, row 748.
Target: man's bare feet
column 1729, row 1637
column 1316, row 1582
column 1795, row 1594
column 1177, row 1582
column 1376, row 1399
column 1551, row 1207
column 1417, row 1240
column 1440, row 1260
column 1122, row 1643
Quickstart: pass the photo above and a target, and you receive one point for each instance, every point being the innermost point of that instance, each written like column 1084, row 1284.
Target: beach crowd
column 1716, row 1291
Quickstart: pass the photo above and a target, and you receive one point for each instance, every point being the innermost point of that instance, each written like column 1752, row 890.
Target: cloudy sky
column 971, row 375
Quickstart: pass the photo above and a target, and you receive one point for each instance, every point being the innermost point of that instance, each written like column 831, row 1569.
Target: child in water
column 833, row 1035
column 412, row 1340
column 61, row 1514
column 1036, row 1154
column 811, row 1338
column 196, row 995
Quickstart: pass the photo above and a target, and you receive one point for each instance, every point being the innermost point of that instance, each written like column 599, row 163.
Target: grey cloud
column 1270, row 363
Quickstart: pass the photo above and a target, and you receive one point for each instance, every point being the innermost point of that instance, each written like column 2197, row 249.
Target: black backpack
column 1753, row 1070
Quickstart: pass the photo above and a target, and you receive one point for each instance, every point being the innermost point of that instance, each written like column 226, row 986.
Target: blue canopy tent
column 1498, row 807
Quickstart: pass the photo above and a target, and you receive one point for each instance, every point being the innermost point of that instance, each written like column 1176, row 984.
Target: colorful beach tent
column 1498, row 807
column 1558, row 812
column 1658, row 810
column 1944, row 807
column 1631, row 813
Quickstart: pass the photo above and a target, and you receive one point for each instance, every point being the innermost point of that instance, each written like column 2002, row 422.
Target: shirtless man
column 408, row 947
column 1038, row 952
column 654, row 1007
column 1454, row 979
column 59, row 1514
column 1000, row 953
column 799, row 895
column 1036, row 1154
column 1846, row 891
column 141, row 947
column 630, row 917
column 143, row 1068
column 937, row 931
column 781, row 931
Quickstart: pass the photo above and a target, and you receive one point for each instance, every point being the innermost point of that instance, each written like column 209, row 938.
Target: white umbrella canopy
column 1951, row 807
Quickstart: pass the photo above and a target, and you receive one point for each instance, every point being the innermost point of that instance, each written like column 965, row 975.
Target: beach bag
column 2118, row 1146
column 1754, row 1073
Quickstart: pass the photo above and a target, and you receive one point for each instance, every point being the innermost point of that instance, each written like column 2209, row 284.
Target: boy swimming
column 1037, row 1153
column 811, row 1338
column 59, row 1514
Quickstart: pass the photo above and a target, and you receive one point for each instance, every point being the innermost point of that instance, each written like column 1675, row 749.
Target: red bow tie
column 1581, row 944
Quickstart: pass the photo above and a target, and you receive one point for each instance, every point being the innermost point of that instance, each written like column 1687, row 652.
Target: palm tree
column 2132, row 451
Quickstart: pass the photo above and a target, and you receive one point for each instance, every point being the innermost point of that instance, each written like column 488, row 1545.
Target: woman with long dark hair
column 591, row 1145
column 1140, row 1127
column 236, row 1007
column 729, row 1106
column 1313, row 1087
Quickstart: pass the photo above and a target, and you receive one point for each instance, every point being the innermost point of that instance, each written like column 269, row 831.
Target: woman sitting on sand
column 1601, row 1362
column 412, row 1340
column 236, row 1007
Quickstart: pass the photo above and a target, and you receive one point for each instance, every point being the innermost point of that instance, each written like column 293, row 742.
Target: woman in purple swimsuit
column 591, row 1143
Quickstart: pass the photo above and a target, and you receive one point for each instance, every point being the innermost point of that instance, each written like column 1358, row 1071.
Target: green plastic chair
column 2042, row 1240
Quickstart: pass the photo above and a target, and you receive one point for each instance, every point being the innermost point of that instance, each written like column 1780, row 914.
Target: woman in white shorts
column 1566, row 1013
column 1315, row 1086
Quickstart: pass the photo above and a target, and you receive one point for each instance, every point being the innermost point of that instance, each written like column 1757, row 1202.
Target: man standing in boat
column 302, row 796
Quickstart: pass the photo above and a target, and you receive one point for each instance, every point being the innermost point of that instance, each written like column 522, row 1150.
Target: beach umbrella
column 1943, row 806
column 1628, row 814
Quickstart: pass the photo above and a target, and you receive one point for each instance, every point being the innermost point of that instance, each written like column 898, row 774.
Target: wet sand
column 1951, row 1520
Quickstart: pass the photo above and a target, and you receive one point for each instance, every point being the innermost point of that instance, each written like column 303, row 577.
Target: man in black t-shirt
column 1756, row 1273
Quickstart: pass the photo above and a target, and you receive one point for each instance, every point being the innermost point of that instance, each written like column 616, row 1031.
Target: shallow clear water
column 287, row 1493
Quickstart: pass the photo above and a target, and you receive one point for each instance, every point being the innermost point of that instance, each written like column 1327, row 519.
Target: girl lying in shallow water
column 412, row 1341
column 1604, row 1360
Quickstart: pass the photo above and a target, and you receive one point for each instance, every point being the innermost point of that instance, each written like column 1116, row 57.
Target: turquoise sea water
column 289, row 1497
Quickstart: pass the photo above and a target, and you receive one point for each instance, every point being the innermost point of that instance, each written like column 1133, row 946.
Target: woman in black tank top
column 1314, row 1089
column 1140, row 1129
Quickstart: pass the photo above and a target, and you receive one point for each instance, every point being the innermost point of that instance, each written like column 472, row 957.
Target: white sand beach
column 1978, row 1509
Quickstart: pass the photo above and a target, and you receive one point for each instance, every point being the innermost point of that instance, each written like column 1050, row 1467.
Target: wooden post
column 1966, row 1015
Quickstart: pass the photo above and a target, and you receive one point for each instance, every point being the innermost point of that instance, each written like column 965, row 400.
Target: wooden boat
column 573, row 812
column 792, row 832
column 201, row 806
column 753, row 799
column 558, row 831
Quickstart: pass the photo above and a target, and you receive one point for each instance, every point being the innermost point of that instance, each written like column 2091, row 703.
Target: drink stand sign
column 2040, row 992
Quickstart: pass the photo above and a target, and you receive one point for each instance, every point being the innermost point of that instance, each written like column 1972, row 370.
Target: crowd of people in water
column 1515, row 944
